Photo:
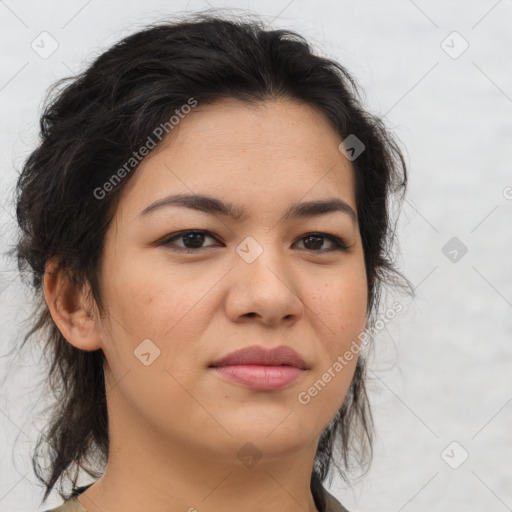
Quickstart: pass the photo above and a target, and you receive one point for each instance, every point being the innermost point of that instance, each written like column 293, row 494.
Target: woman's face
column 254, row 280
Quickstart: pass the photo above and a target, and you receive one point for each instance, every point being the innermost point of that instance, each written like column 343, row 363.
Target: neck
column 147, row 471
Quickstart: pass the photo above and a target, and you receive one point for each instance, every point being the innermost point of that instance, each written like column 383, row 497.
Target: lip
column 256, row 354
column 261, row 369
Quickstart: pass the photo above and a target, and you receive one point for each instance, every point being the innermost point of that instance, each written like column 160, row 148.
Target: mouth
column 261, row 369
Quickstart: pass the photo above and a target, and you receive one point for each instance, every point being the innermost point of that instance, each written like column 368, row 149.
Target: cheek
column 340, row 309
column 341, row 303
column 152, row 299
column 167, row 306
column 152, row 349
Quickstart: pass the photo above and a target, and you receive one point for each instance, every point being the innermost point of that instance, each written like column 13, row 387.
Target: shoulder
column 74, row 505
column 331, row 503
column 71, row 505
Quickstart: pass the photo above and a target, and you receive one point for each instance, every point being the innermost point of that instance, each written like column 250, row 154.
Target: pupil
column 197, row 240
column 317, row 245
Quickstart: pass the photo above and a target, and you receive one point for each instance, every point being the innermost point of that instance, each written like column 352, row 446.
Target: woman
column 207, row 224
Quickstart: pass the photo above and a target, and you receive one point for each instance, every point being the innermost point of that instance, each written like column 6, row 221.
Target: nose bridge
column 264, row 283
column 261, row 258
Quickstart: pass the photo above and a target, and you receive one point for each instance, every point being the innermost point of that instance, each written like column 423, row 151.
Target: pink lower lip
column 261, row 377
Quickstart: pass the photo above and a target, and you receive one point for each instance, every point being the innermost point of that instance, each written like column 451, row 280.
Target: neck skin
column 147, row 472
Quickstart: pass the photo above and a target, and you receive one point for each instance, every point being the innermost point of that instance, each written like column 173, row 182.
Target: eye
column 192, row 241
column 313, row 241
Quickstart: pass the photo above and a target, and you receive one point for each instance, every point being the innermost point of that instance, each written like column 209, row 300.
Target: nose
column 266, row 289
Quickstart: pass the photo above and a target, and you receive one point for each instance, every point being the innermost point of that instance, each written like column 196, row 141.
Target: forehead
column 277, row 150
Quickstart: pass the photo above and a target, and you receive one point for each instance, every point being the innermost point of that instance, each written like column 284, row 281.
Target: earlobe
column 68, row 308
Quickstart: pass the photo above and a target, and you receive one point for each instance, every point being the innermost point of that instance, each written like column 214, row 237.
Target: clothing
column 74, row 505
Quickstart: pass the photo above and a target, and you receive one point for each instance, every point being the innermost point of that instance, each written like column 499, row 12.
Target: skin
column 176, row 426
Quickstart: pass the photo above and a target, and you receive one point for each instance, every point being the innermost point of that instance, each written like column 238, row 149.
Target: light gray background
column 442, row 370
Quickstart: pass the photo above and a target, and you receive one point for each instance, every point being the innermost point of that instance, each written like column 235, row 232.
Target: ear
column 71, row 309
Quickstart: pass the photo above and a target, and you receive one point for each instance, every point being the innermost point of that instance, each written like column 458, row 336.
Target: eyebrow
column 212, row 206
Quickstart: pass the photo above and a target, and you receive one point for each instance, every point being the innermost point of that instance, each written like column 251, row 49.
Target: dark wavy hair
column 92, row 124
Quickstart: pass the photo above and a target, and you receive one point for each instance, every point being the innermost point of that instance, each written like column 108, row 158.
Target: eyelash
column 339, row 244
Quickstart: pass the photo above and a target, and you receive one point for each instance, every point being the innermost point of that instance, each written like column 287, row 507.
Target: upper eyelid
column 181, row 233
